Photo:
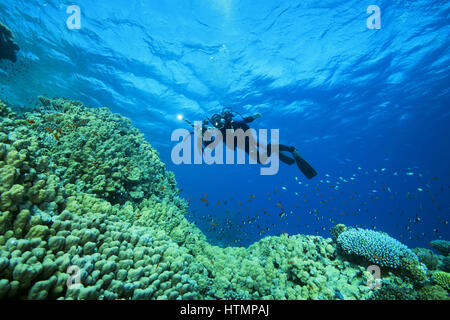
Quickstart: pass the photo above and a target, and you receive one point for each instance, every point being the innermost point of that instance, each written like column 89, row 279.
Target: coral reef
column 442, row 278
column 376, row 247
column 443, row 246
column 88, row 211
column 427, row 257
column 8, row 47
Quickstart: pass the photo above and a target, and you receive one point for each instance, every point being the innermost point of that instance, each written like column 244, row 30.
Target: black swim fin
column 304, row 166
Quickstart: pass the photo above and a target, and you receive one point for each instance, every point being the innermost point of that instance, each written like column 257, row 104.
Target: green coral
column 442, row 278
column 429, row 292
column 394, row 288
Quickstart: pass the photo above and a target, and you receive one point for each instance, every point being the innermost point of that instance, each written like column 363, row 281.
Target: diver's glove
column 256, row 115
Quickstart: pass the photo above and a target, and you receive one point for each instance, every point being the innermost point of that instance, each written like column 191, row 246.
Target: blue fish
column 339, row 295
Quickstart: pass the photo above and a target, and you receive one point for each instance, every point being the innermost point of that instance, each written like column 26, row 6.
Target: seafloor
column 88, row 211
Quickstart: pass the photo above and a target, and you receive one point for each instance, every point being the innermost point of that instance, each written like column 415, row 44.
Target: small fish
column 339, row 295
column 56, row 136
column 279, row 205
column 95, row 134
column 161, row 188
column 213, row 224
column 252, row 196
column 95, row 163
column 179, row 191
column 30, row 121
column 69, row 126
column 49, row 129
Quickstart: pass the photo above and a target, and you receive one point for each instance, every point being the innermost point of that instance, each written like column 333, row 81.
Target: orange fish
column 218, row 202
column 95, row 163
column 252, row 196
column 128, row 169
column 206, row 195
column 59, row 130
column 290, row 262
column 49, row 129
column 56, row 136
column 69, row 126
column 95, row 134
column 213, row 224
column 30, row 121
column 240, row 203
column 181, row 291
column 161, row 188
column 189, row 200
column 279, row 205
column 179, row 191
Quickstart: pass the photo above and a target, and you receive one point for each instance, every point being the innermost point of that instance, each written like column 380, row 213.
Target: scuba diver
column 229, row 119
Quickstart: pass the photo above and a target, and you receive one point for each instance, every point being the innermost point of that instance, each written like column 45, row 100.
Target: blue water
column 364, row 107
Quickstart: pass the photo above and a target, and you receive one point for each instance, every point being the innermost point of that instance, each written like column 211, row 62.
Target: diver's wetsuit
column 238, row 122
